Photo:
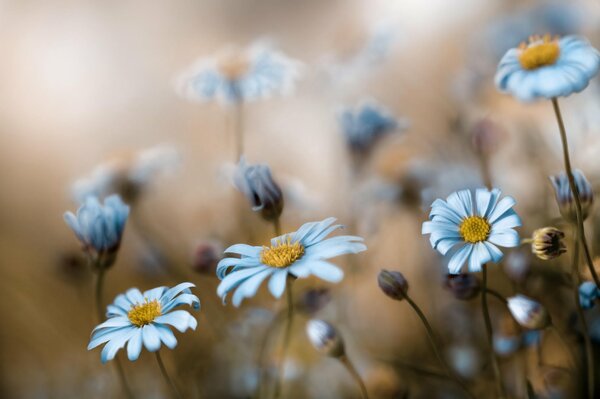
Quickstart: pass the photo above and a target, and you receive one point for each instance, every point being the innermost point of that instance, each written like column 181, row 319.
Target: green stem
column 168, row 379
column 352, row 370
column 490, row 334
column 286, row 338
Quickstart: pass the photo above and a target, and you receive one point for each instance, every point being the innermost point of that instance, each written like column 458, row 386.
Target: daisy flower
column 472, row 229
column 138, row 319
column 547, row 67
column 298, row 254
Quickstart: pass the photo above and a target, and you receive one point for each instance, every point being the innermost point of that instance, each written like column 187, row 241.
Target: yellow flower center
column 474, row 229
column 540, row 52
column 144, row 313
column 282, row 254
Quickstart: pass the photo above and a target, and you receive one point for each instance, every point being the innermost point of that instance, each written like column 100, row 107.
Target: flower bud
column 548, row 243
column 486, row 136
column 325, row 338
column 313, row 300
column 528, row 313
column 206, row 257
column 393, row 284
column 257, row 184
column 588, row 293
column 564, row 196
column 462, row 286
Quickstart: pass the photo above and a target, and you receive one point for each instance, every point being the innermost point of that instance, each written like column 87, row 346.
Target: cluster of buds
column 564, row 195
column 548, row 243
column 393, row 284
column 257, row 184
column 325, row 338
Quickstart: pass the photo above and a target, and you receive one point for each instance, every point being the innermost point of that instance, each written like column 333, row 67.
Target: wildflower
column 135, row 319
column 564, row 195
column 588, row 293
column 298, row 254
column 473, row 229
column 100, row 227
column 240, row 75
column 548, row 243
column 325, row 338
column 257, row 184
column 462, row 286
column 547, row 67
column 393, row 284
column 528, row 313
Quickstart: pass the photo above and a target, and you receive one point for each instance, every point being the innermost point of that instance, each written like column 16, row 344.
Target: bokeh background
column 83, row 82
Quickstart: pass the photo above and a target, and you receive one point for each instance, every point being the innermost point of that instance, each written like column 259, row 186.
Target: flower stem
column 489, row 333
column 262, row 367
column 286, row 338
column 575, row 191
column 434, row 345
column 277, row 226
column 170, row 382
column 352, row 370
column 238, row 130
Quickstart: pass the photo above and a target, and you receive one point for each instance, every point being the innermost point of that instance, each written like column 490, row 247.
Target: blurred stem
column 170, row 382
column 434, row 345
column 286, row 337
column 497, row 295
column 575, row 191
column 238, row 130
column 262, row 367
column 352, row 370
column 490, row 334
column 564, row 343
column 484, row 166
column 277, row 226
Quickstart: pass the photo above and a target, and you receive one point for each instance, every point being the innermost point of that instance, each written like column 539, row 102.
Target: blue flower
column 235, row 76
column 471, row 231
column 547, row 68
column 99, row 227
column 257, row 184
column 297, row 254
column 135, row 319
column 588, row 293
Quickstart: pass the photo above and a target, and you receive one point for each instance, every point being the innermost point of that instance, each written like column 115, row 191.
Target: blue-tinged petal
column 123, row 302
column 112, row 311
column 234, row 279
column 100, row 337
column 444, row 245
column 249, row 287
column 458, row 259
column 112, row 347
column 173, row 292
column 309, row 228
column 226, row 263
column 150, row 337
column 180, row 319
column 166, row 336
column 301, row 268
column 73, row 224
column 461, row 203
column 441, row 210
column 505, row 238
column 503, row 205
column 277, row 283
column 183, row 299
column 507, row 221
column 116, row 322
column 309, row 238
column 244, row 250
column 326, row 271
column 154, row 293
column 316, row 239
column 134, row 347
column 495, row 253
column 483, row 197
column 479, row 256
column 335, row 246
column 134, row 296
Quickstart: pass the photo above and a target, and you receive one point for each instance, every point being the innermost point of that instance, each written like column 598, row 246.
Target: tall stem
column 490, row 334
column 238, row 130
column 352, row 370
column 168, row 379
column 575, row 191
column 277, row 226
column 434, row 345
column 286, row 338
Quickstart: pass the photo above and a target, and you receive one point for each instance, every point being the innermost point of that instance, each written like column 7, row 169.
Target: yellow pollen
column 282, row 254
column 541, row 51
column 144, row 313
column 474, row 229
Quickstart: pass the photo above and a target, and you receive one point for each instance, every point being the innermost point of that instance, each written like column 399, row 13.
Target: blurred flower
column 135, row 318
column 547, row 68
column 472, row 228
column 486, row 136
column 298, row 254
column 564, row 195
column 517, row 266
column 100, row 227
column 313, row 299
column 548, row 243
column 206, row 257
column 393, row 284
column 462, row 286
column 465, row 359
column 588, row 293
column 257, row 184
column 507, row 338
column 240, row 75
column 528, row 313
column 325, row 338
column 531, row 338
column 364, row 125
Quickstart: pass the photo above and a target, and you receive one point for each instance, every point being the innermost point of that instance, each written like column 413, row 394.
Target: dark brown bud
column 393, row 284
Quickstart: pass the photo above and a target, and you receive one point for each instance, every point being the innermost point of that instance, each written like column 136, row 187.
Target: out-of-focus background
column 84, row 82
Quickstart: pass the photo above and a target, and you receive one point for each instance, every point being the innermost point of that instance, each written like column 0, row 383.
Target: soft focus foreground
column 223, row 123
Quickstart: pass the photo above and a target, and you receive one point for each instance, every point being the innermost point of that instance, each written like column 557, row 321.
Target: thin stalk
column 286, row 338
column 434, row 345
column 277, row 226
column 484, row 166
column 238, row 130
column 262, row 353
column 575, row 191
column 490, row 334
column 497, row 295
column 352, row 370
column 168, row 379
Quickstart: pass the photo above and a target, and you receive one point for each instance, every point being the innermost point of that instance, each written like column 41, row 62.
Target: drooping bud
column 528, row 313
column 257, row 184
column 462, row 286
column 393, row 284
column 548, row 243
column 325, row 338
column 564, row 195
column 588, row 294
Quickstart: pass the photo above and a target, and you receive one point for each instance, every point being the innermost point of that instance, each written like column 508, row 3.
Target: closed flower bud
column 528, row 313
column 206, row 257
column 257, row 184
column 564, row 196
column 325, row 338
column 393, row 284
column 462, row 286
column 313, row 300
column 548, row 243
column 588, row 293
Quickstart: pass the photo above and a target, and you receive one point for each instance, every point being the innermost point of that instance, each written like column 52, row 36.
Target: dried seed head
column 548, row 243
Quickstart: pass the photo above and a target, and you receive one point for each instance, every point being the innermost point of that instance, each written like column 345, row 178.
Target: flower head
column 100, row 227
column 137, row 318
column 393, row 284
column 257, row 184
column 472, row 229
column 564, row 195
column 548, row 243
column 325, row 338
column 240, row 75
column 588, row 294
column 547, row 67
column 528, row 313
column 298, row 254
